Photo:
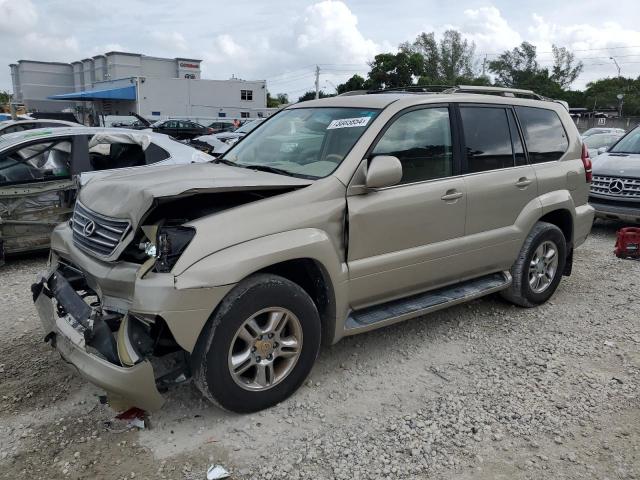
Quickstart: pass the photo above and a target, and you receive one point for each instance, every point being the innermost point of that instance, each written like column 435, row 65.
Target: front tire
column 538, row 269
column 259, row 346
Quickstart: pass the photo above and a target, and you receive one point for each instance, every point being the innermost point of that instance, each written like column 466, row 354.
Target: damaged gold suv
column 333, row 217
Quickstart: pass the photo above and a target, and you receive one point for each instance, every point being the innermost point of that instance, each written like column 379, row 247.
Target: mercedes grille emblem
column 89, row 228
column 617, row 186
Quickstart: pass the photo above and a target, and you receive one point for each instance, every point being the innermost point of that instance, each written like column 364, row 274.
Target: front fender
column 231, row 265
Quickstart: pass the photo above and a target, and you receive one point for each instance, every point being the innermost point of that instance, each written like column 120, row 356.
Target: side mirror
column 601, row 150
column 383, row 171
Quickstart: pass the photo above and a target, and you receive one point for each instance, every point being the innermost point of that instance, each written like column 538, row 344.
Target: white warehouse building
column 117, row 83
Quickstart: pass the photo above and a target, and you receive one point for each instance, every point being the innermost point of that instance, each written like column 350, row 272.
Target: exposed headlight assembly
column 170, row 243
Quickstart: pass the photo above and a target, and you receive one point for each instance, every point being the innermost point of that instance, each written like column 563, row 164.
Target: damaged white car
column 41, row 170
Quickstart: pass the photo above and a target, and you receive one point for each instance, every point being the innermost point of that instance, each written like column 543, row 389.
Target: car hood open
column 617, row 165
column 131, row 194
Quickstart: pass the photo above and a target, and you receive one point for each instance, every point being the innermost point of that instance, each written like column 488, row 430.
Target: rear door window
column 487, row 138
column 50, row 160
column 544, row 134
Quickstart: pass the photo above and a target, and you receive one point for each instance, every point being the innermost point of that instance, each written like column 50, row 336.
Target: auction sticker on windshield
column 349, row 123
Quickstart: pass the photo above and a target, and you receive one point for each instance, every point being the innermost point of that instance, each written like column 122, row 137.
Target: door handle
column 523, row 182
column 451, row 195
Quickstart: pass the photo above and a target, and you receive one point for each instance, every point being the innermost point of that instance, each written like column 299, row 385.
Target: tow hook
column 50, row 337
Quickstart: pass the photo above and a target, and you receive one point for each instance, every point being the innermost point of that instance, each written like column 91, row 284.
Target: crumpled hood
column 131, row 194
column 617, row 165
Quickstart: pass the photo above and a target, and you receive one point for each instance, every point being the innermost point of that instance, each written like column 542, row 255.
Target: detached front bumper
column 136, row 384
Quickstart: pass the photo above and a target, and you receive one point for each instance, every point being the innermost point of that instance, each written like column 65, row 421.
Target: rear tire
column 538, row 269
column 259, row 345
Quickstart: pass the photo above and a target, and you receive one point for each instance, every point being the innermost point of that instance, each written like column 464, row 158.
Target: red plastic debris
column 628, row 243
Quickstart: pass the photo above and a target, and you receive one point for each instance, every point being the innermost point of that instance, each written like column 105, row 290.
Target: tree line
column 452, row 60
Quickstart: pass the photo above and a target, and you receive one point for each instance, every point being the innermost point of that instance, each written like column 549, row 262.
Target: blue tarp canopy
column 121, row 93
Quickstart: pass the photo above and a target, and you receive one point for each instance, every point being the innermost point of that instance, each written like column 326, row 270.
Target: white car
column 14, row 126
column 599, row 142
column 597, row 130
column 41, row 171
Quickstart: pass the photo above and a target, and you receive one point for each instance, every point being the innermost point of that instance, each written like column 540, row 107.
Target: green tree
column 565, row 69
column 283, row 98
column 426, row 45
column 356, row 82
column 279, row 99
column 447, row 62
column 5, row 97
column 456, row 58
column 311, row 94
column 603, row 94
column 515, row 67
column 389, row 70
column 519, row 68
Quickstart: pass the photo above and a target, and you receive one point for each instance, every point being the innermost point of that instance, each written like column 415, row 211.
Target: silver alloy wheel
column 543, row 266
column 265, row 349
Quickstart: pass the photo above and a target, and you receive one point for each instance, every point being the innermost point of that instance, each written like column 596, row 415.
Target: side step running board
column 423, row 303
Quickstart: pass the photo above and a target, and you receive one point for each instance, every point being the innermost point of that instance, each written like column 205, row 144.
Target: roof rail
column 479, row 89
column 502, row 91
column 505, row 92
column 406, row 89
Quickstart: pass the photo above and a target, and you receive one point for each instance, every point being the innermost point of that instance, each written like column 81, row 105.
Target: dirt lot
column 480, row 391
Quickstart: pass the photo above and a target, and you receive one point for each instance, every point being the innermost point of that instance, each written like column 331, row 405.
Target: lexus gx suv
column 331, row 218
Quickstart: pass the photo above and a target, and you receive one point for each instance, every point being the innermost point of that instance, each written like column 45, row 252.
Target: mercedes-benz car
column 615, row 191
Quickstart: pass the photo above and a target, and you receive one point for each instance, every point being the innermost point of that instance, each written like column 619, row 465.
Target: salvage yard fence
column 585, row 123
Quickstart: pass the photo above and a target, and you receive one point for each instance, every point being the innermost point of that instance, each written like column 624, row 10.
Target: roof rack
column 474, row 89
column 502, row 91
column 407, row 89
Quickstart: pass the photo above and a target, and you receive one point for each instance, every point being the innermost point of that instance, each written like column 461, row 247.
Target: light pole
column 617, row 66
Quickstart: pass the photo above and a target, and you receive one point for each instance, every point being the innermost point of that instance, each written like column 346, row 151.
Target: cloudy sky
column 282, row 40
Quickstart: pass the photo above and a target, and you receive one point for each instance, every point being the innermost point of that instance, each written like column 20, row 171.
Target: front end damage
column 110, row 349
column 114, row 302
column 128, row 333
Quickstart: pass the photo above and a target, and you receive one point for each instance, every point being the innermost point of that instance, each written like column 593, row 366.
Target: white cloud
column 17, row 16
column 329, row 30
column 170, row 41
column 48, row 46
column 489, row 29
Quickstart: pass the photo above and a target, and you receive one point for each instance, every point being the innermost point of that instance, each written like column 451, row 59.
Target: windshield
column 307, row 142
column 600, row 140
column 629, row 144
column 247, row 127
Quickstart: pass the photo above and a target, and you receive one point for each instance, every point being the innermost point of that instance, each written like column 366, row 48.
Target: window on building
column 487, row 139
column 421, row 140
column 543, row 133
column 244, row 114
column 246, row 94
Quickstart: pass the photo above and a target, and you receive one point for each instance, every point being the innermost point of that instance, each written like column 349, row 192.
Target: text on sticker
column 349, row 123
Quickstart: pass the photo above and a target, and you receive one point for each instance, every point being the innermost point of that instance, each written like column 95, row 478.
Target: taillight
column 586, row 161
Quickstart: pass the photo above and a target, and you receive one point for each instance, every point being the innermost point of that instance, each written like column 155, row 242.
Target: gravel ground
column 480, row 391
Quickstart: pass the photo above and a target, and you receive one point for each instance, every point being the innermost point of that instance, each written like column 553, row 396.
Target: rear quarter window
column 544, row 135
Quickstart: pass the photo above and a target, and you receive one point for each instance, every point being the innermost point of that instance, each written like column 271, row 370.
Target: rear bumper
column 136, row 384
column 630, row 213
column 583, row 223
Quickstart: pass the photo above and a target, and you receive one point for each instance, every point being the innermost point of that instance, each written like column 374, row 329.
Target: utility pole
column 484, row 63
column 617, row 66
column 317, row 82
